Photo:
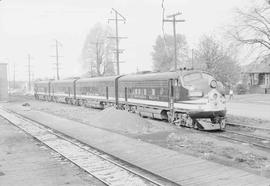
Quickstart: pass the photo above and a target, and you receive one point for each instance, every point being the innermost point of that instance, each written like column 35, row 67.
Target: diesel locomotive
column 187, row 98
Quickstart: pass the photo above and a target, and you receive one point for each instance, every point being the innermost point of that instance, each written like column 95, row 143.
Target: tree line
column 251, row 30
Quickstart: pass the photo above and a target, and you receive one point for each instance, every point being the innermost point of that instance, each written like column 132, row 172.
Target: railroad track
column 104, row 167
column 262, row 142
column 239, row 125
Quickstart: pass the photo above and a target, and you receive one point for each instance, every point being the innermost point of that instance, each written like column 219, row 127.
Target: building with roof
column 258, row 77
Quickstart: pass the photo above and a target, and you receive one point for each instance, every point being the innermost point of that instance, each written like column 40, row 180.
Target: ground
column 252, row 109
column 200, row 144
column 25, row 161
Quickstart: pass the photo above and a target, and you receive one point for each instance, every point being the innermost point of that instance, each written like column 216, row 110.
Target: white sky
column 29, row 26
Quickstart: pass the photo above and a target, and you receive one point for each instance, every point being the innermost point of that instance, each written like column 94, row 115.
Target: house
column 258, row 77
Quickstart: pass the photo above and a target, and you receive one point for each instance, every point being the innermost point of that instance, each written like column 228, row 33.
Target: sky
column 31, row 26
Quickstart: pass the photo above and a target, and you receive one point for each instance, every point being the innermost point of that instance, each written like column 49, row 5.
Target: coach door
column 126, row 93
column 173, row 83
column 171, row 98
column 171, row 91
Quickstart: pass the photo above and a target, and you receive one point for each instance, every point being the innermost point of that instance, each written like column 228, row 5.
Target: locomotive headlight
column 213, row 84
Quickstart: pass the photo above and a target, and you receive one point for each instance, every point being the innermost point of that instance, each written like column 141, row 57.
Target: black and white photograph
column 134, row 93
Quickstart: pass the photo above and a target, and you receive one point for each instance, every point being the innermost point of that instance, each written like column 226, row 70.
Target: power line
column 174, row 21
column 116, row 19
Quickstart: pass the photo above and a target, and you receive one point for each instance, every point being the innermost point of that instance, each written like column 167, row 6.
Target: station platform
column 177, row 167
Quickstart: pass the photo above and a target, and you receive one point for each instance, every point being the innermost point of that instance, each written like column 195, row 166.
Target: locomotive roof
column 155, row 76
column 97, row 79
column 149, row 76
column 42, row 82
column 65, row 81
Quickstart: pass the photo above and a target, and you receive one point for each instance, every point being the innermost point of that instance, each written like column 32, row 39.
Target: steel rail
column 243, row 141
column 251, row 137
column 246, row 126
column 248, row 135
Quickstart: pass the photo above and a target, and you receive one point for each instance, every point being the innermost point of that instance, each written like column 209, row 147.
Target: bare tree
column 253, row 29
column 97, row 52
column 164, row 52
column 213, row 57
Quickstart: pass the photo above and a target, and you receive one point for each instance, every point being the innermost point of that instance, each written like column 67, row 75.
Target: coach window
column 161, row 91
column 144, row 92
column 153, row 92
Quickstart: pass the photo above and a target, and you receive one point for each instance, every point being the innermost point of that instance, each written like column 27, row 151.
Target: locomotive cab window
column 207, row 76
column 189, row 78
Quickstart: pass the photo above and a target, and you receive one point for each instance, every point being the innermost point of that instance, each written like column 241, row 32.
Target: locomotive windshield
column 190, row 79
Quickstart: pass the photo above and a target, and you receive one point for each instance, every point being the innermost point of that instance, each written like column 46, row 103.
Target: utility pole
column 29, row 72
column 57, row 43
column 192, row 58
column 174, row 21
column 13, row 75
column 116, row 19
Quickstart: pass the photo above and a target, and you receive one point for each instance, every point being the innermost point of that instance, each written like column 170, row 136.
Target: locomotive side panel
column 146, row 94
column 96, row 92
column 155, row 90
column 63, row 91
